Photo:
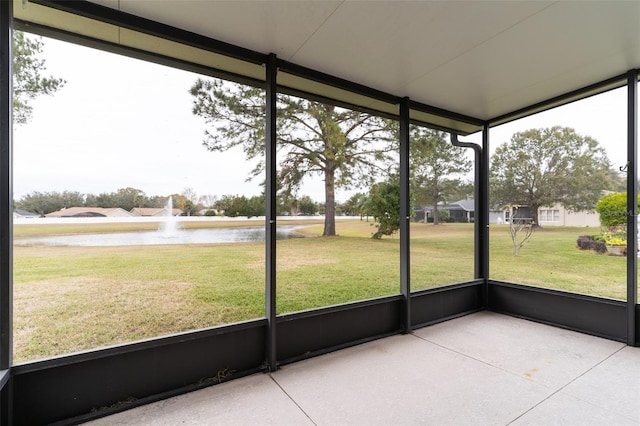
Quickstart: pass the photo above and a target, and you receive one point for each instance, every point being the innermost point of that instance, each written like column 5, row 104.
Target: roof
column 90, row 212
column 154, row 211
column 466, row 205
column 480, row 59
column 24, row 213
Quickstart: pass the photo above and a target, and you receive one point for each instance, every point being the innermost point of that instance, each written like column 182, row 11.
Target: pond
column 178, row 236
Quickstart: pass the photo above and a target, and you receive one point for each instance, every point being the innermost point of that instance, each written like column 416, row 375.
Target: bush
column 612, row 209
column 587, row 242
column 443, row 217
column 385, row 206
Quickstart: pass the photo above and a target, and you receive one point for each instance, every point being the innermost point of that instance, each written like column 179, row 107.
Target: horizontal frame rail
column 586, row 314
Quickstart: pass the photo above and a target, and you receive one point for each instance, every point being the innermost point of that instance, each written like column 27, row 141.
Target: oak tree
column 544, row 167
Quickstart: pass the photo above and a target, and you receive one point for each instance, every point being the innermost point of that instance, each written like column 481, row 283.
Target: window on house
column 549, row 215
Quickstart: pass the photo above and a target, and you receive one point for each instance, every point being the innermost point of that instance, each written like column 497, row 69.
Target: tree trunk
column 329, row 203
column 534, row 216
column 436, row 196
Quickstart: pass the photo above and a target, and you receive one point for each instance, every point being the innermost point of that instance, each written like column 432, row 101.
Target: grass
column 551, row 260
column 70, row 299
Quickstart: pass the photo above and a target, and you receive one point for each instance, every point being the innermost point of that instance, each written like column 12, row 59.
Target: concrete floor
column 482, row 369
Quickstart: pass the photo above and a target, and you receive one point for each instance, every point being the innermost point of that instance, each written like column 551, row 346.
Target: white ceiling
column 479, row 58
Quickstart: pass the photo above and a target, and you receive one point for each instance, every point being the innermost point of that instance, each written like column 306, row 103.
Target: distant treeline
column 125, row 198
column 129, row 198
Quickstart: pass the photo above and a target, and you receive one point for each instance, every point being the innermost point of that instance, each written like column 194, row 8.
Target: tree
column 125, row 198
column 179, row 201
column 189, row 209
column 520, row 230
column 358, row 205
column 465, row 189
column 384, row 202
column 128, row 198
column 90, row 200
column 28, row 81
column 346, row 148
column 207, row 200
column 239, row 205
column 47, row 202
column 189, row 202
column 155, row 201
column 306, row 206
column 191, row 195
column 104, row 199
column 433, row 166
column 543, row 167
column 618, row 179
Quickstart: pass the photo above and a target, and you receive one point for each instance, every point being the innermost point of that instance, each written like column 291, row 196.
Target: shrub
column 384, row 204
column 443, row 217
column 612, row 209
column 587, row 242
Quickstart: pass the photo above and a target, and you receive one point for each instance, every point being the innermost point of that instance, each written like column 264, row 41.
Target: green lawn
column 551, row 260
column 68, row 299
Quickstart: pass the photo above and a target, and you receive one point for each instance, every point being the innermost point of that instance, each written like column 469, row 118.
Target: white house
column 556, row 215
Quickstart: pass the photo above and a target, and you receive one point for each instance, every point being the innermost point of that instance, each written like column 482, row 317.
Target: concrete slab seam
column 481, row 361
column 292, row 400
column 555, row 392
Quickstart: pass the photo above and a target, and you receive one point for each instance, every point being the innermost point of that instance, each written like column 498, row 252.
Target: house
column 461, row 211
column 90, row 212
column 556, row 215
column 560, row 216
column 18, row 213
column 154, row 211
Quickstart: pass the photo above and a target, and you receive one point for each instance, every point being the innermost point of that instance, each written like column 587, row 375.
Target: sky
column 602, row 117
column 118, row 122
column 122, row 122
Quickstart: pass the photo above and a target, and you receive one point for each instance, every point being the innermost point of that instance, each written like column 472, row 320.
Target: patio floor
column 482, row 369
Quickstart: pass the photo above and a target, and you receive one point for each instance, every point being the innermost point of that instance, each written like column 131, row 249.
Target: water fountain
column 169, row 224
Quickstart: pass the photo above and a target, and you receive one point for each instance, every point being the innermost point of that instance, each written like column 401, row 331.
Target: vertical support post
column 6, row 218
column 270, row 207
column 482, row 249
column 479, row 225
column 6, row 212
column 405, row 261
column 479, row 221
column 632, row 204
